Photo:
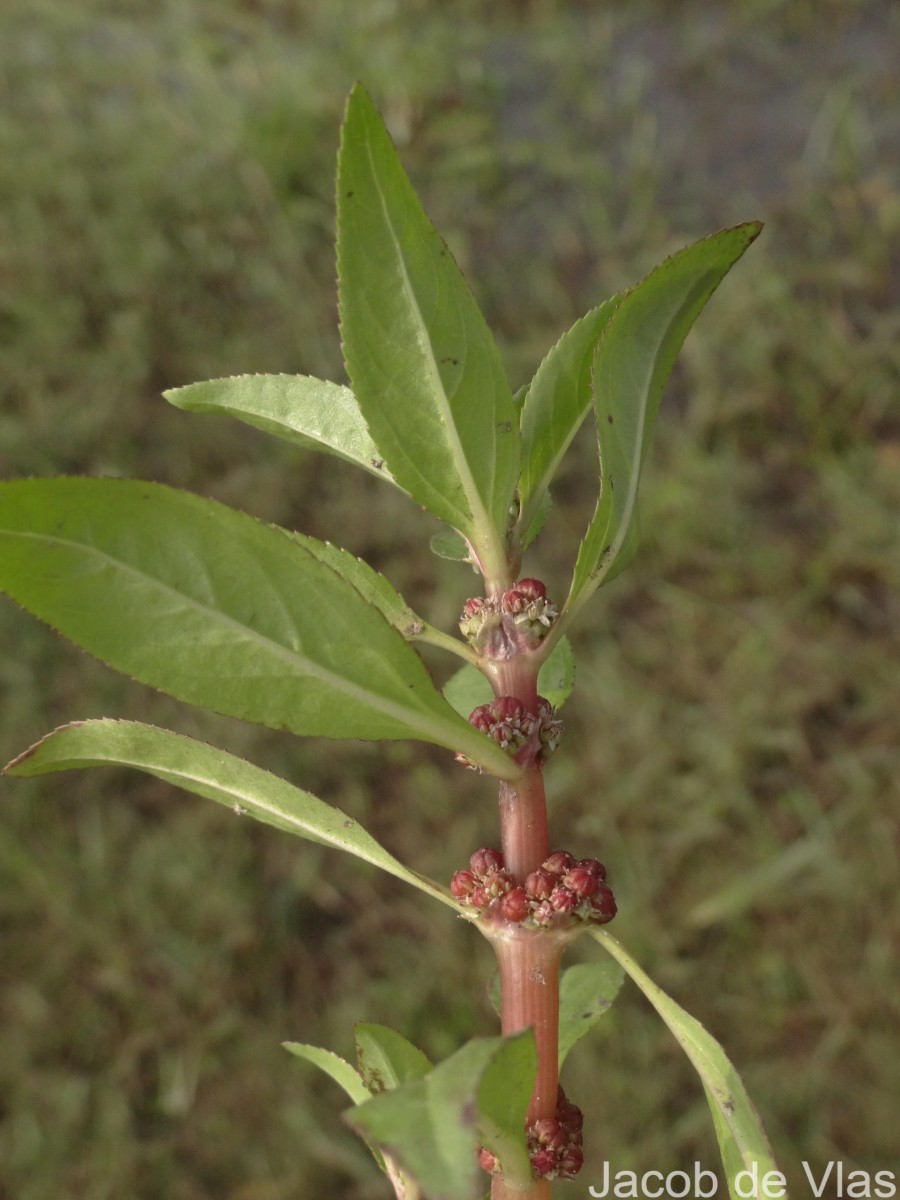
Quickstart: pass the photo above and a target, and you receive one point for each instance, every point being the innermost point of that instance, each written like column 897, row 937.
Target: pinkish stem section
column 524, row 835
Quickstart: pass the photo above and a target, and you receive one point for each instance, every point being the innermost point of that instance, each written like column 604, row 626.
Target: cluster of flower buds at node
column 562, row 891
column 517, row 621
column 554, row 1144
column 507, row 722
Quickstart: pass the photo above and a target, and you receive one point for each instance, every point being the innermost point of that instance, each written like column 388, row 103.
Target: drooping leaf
column 386, row 1059
column 422, row 362
column 468, row 687
column 742, row 1140
column 434, row 1125
column 556, row 403
column 206, row 771
column 219, row 610
column 586, row 993
column 334, row 1066
column 311, row 413
column 631, row 365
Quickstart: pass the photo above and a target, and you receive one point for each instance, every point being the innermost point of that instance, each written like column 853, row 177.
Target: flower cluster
column 507, row 722
column 518, row 621
column 560, row 892
column 554, row 1144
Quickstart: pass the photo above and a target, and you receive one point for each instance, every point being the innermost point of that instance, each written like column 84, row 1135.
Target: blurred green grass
column 166, row 216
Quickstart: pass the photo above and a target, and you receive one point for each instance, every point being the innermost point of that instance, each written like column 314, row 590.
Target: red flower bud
column 497, row 883
column 540, row 884
column 571, row 1162
column 596, row 868
column 533, row 588
column 507, row 708
column 514, row 905
column 544, row 1162
column 485, row 860
column 581, row 881
column 570, row 1117
column 482, row 718
column 462, row 884
column 603, row 905
column 558, row 862
column 563, row 900
column 550, row 1133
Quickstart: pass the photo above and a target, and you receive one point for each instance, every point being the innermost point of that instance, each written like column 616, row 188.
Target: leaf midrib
column 477, row 510
column 352, row 690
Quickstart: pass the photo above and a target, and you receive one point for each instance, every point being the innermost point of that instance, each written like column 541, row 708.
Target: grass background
column 166, row 216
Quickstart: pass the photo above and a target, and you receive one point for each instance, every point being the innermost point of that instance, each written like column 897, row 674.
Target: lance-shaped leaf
column 206, row 771
column 420, row 357
column 742, row 1140
column 586, row 993
column 220, row 610
column 632, row 363
column 387, row 1059
column 308, row 412
column 433, row 1126
column 334, row 1066
column 555, row 405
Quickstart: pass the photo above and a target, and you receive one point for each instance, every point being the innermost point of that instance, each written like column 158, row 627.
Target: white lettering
column 593, row 1191
column 859, row 1184
column 646, row 1186
column 670, row 1187
column 774, row 1184
column 626, row 1179
column 818, row 1189
column 750, row 1177
column 885, row 1186
column 699, row 1177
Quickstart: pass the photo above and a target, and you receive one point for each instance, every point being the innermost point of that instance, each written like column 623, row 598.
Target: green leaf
column 449, row 544
column 335, row 1066
column 541, row 513
column 371, row 584
column 219, row 610
column 555, row 405
column 310, row 413
column 631, row 365
column 206, row 771
column 586, row 993
column 386, row 1059
column 419, row 354
column 468, row 687
column 742, row 1139
column 433, row 1126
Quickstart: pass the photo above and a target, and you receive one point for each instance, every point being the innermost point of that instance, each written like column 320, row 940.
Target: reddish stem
column 528, row 959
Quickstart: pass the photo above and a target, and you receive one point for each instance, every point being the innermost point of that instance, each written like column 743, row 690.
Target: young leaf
column 433, row 1126
column 308, row 412
column 468, row 687
column 742, row 1139
column 419, row 354
column 586, row 993
column 632, row 362
column 217, row 775
column 386, row 1059
column 334, row 1066
column 219, row 610
column 555, row 405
